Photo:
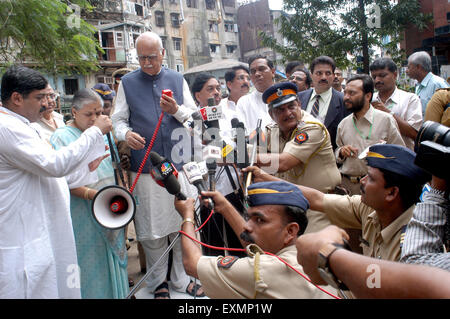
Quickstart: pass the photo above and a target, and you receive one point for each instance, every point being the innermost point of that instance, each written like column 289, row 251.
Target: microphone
column 241, row 145
column 193, row 172
column 211, row 115
column 165, row 175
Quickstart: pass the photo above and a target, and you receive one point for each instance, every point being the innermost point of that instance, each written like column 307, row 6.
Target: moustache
column 42, row 109
column 323, row 81
column 245, row 86
column 245, row 236
column 379, row 83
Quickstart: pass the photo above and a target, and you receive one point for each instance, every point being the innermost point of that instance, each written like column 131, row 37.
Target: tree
column 47, row 34
column 338, row 27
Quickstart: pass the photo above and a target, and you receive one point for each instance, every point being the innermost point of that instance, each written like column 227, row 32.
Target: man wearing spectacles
column 50, row 120
column 302, row 79
column 138, row 105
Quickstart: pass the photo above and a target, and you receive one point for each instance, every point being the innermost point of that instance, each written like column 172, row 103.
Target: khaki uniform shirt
column 259, row 276
column 437, row 108
column 350, row 212
column 310, row 143
column 374, row 126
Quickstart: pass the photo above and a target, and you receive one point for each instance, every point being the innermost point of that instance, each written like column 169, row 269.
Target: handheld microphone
column 241, row 146
column 193, row 172
column 211, row 115
column 166, row 175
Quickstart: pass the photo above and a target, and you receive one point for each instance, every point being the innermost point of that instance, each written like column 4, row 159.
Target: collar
column 426, row 79
column 152, row 77
column 324, row 95
column 12, row 113
column 395, row 96
column 392, row 229
column 368, row 116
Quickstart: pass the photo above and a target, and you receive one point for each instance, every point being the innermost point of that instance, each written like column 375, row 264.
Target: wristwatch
column 325, row 271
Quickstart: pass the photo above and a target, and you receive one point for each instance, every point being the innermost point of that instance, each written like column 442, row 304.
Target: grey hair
column 421, row 58
column 151, row 35
column 85, row 96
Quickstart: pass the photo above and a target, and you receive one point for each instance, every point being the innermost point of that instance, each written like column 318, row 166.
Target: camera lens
column 432, row 131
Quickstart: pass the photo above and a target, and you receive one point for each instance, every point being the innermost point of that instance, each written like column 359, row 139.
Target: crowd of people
column 335, row 186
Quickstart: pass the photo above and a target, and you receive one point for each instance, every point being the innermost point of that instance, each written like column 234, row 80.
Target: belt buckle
column 355, row 179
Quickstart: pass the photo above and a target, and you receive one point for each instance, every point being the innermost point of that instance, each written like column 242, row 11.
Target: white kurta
column 37, row 247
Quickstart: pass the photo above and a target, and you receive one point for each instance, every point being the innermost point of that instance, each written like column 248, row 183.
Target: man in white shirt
column 251, row 107
column 37, row 247
column 404, row 106
column 217, row 232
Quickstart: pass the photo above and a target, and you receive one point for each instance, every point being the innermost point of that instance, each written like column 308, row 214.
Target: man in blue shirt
column 419, row 68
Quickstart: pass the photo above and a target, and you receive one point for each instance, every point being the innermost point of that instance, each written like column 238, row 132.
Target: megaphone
column 113, row 207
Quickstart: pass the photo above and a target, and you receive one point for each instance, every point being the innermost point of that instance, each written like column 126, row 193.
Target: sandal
column 162, row 294
column 194, row 289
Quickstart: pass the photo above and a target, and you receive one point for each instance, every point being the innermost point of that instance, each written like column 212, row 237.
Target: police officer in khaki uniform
column 299, row 149
column 438, row 108
column 276, row 218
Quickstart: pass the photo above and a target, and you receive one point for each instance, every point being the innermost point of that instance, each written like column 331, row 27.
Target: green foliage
column 47, row 34
column 338, row 27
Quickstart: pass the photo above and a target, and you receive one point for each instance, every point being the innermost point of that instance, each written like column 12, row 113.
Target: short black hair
column 259, row 56
column 231, row 74
column 383, row 63
column 368, row 86
column 199, row 83
column 21, row 79
column 308, row 80
column 409, row 189
column 297, row 215
column 292, row 65
column 323, row 59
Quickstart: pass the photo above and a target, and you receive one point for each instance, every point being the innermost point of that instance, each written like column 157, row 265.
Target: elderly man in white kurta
column 37, row 247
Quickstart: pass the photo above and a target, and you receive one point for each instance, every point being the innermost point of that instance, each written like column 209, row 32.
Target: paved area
column 134, row 272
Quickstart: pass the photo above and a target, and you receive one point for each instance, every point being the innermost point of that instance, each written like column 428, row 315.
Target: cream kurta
column 374, row 126
column 37, row 247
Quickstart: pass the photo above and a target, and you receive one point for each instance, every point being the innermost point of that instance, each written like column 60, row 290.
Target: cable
column 243, row 250
column 150, row 146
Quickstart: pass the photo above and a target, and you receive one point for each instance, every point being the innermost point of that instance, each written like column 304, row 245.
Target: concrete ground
column 134, row 272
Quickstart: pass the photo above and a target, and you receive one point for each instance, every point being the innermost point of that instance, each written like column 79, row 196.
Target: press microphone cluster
column 194, row 174
column 165, row 174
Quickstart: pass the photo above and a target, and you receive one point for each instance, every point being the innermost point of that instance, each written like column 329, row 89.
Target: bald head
column 150, row 52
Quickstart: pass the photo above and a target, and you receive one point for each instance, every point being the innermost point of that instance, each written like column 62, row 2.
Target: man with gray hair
column 139, row 103
column 419, row 68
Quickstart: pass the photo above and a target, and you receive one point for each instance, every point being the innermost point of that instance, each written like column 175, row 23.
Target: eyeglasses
column 296, row 78
column 52, row 96
column 147, row 57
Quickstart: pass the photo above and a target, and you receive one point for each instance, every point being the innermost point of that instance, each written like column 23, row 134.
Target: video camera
column 432, row 147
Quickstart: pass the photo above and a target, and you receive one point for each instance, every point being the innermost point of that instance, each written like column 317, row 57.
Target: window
column 229, row 26
column 214, row 48
column 191, row 3
column 70, row 86
column 210, row 4
column 229, row 3
column 175, row 19
column 213, row 26
column 180, row 67
column 119, row 39
column 231, row 49
column 177, row 44
column 159, row 18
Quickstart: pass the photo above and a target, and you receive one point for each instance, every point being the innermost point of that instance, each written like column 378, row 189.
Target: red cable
column 150, row 146
column 243, row 250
